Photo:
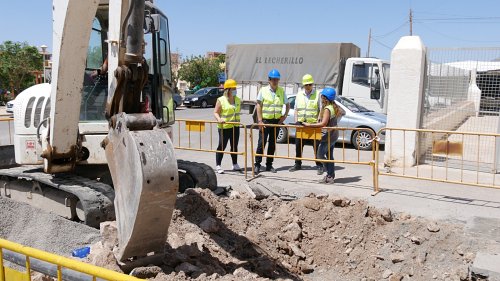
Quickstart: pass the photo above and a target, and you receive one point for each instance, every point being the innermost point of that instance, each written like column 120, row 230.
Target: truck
column 338, row 65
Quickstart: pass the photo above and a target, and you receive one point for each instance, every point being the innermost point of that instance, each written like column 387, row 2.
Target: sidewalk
column 3, row 113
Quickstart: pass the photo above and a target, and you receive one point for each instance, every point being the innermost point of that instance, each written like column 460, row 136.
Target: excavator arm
column 140, row 154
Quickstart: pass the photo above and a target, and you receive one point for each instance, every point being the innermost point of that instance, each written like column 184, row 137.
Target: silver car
column 356, row 116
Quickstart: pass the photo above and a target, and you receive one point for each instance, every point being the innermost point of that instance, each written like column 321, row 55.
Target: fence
column 7, row 125
column 456, row 157
column 462, row 93
column 314, row 135
column 203, row 139
column 52, row 265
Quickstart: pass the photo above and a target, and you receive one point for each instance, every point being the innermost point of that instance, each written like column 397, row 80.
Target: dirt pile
column 313, row 238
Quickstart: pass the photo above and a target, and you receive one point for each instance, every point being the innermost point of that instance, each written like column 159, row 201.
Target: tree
column 201, row 72
column 17, row 62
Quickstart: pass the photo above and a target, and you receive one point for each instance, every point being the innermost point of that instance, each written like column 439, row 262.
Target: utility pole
column 369, row 43
column 411, row 22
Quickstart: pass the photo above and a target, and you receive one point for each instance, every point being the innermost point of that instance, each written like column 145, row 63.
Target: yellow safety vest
column 229, row 112
column 307, row 110
column 272, row 106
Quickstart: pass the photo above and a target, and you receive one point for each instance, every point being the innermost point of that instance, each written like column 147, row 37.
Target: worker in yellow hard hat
column 307, row 108
column 227, row 110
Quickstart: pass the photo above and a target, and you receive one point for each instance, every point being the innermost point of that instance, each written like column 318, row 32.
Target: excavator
column 95, row 145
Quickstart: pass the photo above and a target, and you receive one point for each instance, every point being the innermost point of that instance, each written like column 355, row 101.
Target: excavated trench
column 235, row 237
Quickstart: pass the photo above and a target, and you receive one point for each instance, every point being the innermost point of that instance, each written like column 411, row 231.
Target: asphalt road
column 208, row 139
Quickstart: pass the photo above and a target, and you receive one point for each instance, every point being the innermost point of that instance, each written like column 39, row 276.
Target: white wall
column 405, row 99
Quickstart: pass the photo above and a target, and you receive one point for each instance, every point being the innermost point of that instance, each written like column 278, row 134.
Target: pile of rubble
column 313, row 238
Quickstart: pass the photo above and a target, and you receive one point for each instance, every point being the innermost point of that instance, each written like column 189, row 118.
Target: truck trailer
column 338, row 65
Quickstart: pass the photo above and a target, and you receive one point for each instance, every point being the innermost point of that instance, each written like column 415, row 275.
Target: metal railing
column 314, row 135
column 201, row 136
column 50, row 264
column 7, row 125
column 455, row 157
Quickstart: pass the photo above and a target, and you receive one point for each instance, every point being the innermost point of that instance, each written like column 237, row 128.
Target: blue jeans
column 326, row 153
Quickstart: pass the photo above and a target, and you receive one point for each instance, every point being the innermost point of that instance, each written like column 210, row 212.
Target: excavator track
column 93, row 197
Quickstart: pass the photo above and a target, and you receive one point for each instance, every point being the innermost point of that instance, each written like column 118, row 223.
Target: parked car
column 177, row 100
column 204, row 97
column 10, row 107
column 356, row 116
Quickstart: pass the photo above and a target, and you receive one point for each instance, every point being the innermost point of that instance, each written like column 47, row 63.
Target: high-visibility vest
column 229, row 112
column 272, row 103
column 307, row 110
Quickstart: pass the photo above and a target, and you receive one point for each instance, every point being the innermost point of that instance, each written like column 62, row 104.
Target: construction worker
column 270, row 101
column 227, row 109
column 331, row 116
column 307, row 107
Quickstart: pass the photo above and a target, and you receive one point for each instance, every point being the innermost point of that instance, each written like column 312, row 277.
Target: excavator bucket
column 144, row 171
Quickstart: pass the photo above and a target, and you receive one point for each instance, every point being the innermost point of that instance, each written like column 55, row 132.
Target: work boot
column 257, row 169
column 329, row 180
column 236, row 168
column 270, row 169
column 321, row 170
column 295, row 167
column 219, row 169
column 322, row 180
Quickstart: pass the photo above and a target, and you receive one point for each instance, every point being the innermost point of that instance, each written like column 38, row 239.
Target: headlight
column 194, row 99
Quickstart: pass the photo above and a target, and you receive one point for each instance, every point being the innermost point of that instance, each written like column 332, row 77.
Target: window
column 29, row 110
column 365, row 74
column 291, row 100
column 386, row 68
column 94, row 53
column 360, row 74
column 38, row 112
column 166, row 74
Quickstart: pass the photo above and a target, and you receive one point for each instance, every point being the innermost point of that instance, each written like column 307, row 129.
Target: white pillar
column 405, row 100
column 473, row 92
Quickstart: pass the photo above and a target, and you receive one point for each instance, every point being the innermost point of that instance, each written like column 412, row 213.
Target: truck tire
column 193, row 174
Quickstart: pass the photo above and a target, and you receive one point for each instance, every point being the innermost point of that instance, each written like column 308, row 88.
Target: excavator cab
column 157, row 92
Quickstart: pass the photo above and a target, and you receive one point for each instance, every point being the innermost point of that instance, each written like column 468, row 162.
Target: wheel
column 193, row 174
column 362, row 139
column 204, row 104
column 282, row 135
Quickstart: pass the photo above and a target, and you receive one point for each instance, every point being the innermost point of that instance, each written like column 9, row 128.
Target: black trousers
column 299, row 146
column 268, row 135
column 233, row 136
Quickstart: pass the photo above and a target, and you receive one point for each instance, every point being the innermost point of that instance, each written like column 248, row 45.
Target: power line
column 461, row 18
column 382, row 44
column 454, row 38
column 392, row 31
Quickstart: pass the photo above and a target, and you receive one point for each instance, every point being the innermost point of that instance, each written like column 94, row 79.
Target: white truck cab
column 366, row 81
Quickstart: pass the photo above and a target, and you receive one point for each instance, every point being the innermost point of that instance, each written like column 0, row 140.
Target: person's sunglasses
column 306, row 85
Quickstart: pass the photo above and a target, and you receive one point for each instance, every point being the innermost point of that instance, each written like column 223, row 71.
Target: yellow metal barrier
column 314, row 134
column 441, row 156
column 61, row 262
column 8, row 139
column 201, row 137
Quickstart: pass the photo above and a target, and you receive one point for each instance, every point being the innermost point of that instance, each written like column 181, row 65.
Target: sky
column 198, row 26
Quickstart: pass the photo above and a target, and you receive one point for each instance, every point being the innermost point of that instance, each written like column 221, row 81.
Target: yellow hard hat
column 307, row 79
column 230, row 83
